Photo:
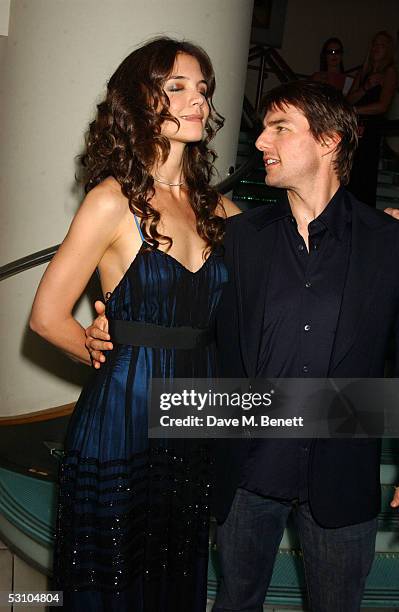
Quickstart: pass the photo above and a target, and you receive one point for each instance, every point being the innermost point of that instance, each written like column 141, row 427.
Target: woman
column 331, row 65
column 132, row 528
column 372, row 93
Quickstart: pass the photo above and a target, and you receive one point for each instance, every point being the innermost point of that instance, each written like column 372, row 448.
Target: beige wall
column 4, row 16
column 58, row 56
column 4, row 21
column 3, row 47
column 310, row 22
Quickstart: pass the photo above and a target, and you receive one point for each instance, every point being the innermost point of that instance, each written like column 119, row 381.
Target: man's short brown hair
column 327, row 113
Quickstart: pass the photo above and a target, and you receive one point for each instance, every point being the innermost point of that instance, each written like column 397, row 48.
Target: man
column 313, row 292
column 315, row 289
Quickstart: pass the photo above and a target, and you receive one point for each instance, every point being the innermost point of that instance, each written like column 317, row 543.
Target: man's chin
column 270, row 182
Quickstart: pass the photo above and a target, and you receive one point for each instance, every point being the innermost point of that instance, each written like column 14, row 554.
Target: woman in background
column 331, row 65
column 133, row 514
column 372, row 93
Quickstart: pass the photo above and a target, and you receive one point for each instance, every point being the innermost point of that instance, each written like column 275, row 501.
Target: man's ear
column 329, row 142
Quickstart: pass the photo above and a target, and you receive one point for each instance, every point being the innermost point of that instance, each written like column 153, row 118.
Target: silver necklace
column 166, row 182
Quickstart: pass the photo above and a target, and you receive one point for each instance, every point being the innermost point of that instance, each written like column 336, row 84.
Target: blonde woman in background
column 372, row 93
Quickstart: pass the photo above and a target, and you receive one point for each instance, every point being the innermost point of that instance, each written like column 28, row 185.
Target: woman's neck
column 171, row 170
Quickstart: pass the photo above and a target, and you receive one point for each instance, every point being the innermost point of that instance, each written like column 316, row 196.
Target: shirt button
column 300, row 247
column 307, row 328
column 308, row 284
column 305, row 369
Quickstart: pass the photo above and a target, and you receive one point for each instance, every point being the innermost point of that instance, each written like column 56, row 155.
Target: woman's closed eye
column 177, row 88
column 174, row 88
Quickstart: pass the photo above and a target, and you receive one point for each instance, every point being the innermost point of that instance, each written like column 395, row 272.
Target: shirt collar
column 334, row 217
column 274, row 212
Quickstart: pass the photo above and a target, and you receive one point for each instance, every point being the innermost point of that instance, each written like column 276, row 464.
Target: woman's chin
column 187, row 138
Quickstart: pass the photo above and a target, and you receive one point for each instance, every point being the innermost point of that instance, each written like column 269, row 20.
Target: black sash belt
column 158, row 336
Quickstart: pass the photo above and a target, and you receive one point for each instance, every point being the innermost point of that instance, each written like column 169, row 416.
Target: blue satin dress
column 133, row 513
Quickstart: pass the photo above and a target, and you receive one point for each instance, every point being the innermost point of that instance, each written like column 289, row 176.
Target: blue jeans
column 336, row 561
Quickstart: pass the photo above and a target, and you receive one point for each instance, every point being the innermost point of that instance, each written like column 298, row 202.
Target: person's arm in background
column 389, row 85
column 357, row 91
column 394, row 212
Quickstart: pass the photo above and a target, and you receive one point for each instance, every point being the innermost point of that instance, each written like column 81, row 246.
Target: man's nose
column 262, row 142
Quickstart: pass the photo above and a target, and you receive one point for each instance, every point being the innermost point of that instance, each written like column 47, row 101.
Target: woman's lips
column 193, row 118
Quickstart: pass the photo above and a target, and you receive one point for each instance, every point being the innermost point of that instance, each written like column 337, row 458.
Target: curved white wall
column 57, row 59
column 4, row 17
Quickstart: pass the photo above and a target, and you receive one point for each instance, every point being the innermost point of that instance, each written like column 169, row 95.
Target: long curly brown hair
column 125, row 141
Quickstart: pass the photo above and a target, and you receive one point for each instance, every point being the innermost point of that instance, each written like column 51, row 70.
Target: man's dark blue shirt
column 303, row 303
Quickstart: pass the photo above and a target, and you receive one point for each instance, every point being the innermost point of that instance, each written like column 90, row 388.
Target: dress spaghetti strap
column 139, row 227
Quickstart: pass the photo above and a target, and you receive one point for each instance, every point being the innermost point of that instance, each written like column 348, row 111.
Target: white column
column 4, row 17
column 58, row 57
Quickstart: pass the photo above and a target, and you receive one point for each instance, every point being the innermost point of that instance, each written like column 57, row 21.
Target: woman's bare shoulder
column 227, row 208
column 107, row 198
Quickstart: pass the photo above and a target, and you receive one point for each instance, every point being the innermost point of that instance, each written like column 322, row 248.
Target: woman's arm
column 93, row 230
column 357, row 91
column 389, row 85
